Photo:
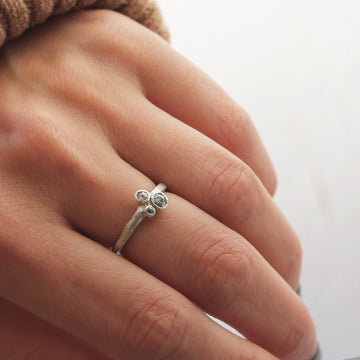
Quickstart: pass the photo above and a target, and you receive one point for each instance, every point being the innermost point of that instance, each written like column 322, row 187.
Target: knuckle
column 301, row 337
column 49, row 68
column 105, row 22
column 55, row 59
column 34, row 141
column 131, row 55
column 227, row 267
column 233, row 119
column 113, row 23
column 41, row 148
column 233, row 183
column 157, row 328
column 23, row 138
column 235, row 124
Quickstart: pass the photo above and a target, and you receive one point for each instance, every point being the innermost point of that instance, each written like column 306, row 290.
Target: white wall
column 295, row 66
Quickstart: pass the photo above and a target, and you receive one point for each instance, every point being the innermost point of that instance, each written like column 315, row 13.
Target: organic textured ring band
column 148, row 204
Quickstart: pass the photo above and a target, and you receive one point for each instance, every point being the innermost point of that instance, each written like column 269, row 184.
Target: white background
column 295, row 67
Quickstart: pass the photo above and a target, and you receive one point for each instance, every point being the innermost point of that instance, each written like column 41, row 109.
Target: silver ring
column 148, row 204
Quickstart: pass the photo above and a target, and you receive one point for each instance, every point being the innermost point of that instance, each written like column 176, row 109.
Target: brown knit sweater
column 16, row 16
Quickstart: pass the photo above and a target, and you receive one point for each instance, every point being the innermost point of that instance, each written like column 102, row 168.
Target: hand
column 93, row 108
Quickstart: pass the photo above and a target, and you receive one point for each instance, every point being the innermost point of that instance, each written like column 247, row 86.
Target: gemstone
column 142, row 196
column 150, row 211
column 160, row 201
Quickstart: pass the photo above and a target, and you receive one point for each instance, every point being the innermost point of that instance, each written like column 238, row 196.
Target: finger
column 221, row 272
column 181, row 89
column 96, row 196
column 87, row 290
column 226, row 170
column 212, row 178
column 199, row 256
column 209, row 263
column 178, row 87
column 25, row 336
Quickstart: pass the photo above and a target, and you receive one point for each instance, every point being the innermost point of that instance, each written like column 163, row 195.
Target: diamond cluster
column 151, row 202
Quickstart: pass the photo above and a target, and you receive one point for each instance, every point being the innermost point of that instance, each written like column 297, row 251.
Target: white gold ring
column 149, row 202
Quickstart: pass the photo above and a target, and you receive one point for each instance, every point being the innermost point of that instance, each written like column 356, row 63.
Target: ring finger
column 209, row 176
column 199, row 256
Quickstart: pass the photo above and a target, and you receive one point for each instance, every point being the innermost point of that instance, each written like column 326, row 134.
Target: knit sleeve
column 16, row 16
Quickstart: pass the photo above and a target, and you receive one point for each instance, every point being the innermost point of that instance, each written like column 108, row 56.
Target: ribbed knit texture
column 16, row 16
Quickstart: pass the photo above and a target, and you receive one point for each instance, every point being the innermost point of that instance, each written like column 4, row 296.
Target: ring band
column 148, row 204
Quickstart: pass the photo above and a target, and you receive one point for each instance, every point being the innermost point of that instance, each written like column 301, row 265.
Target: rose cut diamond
column 160, row 200
column 142, row 196
column 150, row 211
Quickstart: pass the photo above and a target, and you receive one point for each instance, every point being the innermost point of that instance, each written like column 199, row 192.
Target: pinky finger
column 25, row 336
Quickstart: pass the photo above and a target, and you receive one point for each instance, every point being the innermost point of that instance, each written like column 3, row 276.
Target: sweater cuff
column 17, row 16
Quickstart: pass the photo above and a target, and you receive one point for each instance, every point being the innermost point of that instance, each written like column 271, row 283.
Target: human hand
column 93, row 108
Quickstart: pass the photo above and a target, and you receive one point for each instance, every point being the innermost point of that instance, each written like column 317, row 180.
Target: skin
column 86, row 121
